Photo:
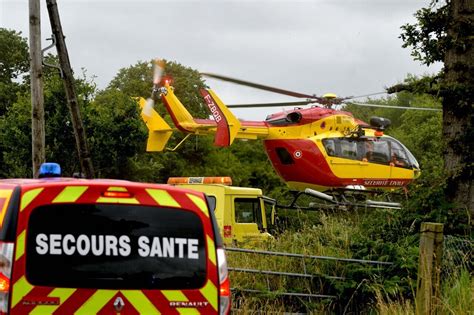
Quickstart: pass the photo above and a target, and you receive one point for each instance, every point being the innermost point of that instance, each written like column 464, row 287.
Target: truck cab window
column 269, row 205
column 247, row 210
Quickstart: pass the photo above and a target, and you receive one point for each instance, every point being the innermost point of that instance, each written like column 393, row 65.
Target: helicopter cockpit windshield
column 411, row 158
column 386, row 150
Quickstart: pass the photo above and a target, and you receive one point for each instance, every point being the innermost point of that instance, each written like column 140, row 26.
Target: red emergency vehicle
column 76, row 246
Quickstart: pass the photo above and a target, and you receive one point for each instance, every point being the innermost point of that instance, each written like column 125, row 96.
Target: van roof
column 66, row 181
column 36, row 181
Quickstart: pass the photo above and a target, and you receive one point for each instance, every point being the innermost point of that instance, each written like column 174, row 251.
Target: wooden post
column 431, row 251
column 37, row 97
column 68, row 80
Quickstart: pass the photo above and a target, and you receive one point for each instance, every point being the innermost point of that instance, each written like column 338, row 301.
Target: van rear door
column 101, row 248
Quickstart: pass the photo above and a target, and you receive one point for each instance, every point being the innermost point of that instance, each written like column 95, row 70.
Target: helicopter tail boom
column 225, row 126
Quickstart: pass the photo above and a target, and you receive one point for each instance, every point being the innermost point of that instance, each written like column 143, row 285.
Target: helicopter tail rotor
column 158, row 68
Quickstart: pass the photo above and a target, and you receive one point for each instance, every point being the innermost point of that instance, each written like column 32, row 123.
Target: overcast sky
column 345, row 47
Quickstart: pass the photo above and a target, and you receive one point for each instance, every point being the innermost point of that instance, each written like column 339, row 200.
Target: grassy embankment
column 369, row 289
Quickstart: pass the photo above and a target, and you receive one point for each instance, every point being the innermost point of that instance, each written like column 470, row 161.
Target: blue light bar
column 49, row 170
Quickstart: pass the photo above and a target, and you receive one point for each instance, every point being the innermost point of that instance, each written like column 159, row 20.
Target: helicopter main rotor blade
column 277, row 104
column 326, row 101
column 365, row 95
column 396, row 107
column 259, row 86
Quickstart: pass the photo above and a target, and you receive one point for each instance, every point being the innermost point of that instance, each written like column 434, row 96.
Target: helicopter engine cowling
column 293, row 117
column 290, row 118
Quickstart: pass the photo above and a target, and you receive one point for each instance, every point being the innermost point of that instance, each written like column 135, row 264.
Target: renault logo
column 119, row 304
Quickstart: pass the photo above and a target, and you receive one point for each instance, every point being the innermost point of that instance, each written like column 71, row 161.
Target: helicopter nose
column 417, row 173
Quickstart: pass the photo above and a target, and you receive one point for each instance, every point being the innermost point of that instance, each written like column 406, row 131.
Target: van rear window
column 115, row 247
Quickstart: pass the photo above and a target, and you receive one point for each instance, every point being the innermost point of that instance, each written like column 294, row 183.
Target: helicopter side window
column 368, row 150
column 348, row 149
column 284, row 156
column 361, row 150
column 380, row 153
column 330, row 147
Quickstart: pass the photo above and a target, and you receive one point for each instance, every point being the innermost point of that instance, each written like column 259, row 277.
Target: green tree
column 15, row 139
column 444, row 32
column 14, row 63
column 137, row 80
column 15, row 134
column 134, row 80
column 116, row 133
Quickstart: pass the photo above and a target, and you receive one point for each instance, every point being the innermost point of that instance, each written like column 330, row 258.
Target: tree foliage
column 444, row 32
column 13, row 63
column 136, row 81
column 13, row 54
column 115, row 133
column 428, row 38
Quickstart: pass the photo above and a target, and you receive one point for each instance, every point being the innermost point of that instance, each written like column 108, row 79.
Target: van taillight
column 4, row 283
column 6, row 261
column 224, row 283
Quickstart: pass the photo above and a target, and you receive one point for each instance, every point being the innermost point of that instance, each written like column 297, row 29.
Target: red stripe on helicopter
column 173, row 117
column 312, row 168
column 222, row 138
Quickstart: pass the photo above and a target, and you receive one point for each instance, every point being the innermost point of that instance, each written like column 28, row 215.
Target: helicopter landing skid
column 341, row 199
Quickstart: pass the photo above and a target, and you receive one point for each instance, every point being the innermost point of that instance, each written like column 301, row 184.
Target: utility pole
column 37, row 97
column 68, row 80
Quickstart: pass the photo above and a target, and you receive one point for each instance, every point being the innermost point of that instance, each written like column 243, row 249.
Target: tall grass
column 458, row 293
column 457, row 297
column 377, row 235
column 322, row 235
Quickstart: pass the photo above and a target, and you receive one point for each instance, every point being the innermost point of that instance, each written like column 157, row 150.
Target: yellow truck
column 243, row 214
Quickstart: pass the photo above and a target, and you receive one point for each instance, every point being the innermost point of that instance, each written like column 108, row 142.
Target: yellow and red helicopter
column 317, row 147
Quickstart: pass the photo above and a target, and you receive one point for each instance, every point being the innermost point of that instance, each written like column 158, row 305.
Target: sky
column 349, row 47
